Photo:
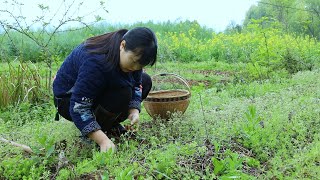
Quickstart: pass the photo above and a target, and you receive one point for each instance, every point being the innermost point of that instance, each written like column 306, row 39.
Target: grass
column 264, row 129
column 20, row 83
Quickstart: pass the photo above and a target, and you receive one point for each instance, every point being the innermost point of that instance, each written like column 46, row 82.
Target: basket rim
column 186, row 95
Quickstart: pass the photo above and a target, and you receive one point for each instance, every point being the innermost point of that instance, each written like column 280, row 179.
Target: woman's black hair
column 140, row 40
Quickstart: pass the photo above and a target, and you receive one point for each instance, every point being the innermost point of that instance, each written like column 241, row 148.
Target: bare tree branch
column 44, row 36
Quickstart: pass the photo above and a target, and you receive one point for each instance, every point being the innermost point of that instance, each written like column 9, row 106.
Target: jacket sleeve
column 136, row 99
column 89, row 83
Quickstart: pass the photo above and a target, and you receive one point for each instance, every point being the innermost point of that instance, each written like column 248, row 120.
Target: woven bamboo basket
column 162, row 103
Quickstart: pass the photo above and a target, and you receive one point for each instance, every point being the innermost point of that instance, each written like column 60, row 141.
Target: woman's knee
column 146, row 84
column 116, row 100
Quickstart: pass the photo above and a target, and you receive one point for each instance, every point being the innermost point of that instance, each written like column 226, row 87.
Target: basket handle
column 177, row 76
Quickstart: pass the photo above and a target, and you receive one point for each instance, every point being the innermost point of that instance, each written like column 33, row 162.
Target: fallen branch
column 22, row 146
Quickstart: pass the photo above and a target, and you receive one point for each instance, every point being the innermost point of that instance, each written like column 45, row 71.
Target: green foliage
column 275, row 123
column 64, row 174
column 126, row 174
column 85, row 166
column 20, row 83
column 19, row 167
column 261, row 48
column 25, row 113
column 228, row 167
column 257, row 117
column 162, row 162
column 295, row 16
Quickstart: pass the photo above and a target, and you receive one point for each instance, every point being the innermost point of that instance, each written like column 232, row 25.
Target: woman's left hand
column 134, row 116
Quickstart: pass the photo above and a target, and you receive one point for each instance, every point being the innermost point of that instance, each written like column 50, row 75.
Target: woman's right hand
column 102, row 140
column 105, row 146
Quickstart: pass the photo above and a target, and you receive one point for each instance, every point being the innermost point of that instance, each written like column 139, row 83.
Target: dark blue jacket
column 86, row 76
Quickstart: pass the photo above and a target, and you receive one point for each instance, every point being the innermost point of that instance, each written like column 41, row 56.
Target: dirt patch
column 224, row 78
column 91, row 176
column 193, row 82
column 202, row 162
column 212, row 72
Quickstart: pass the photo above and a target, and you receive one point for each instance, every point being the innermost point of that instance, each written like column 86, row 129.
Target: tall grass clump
column 20, row 82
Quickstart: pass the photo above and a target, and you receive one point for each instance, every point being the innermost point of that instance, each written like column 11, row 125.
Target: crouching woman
column 101, row 82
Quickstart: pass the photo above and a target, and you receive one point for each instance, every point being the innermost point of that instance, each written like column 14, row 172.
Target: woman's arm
column 134, row 116
column 135, row 103
column 102, row 140
column 89, row 84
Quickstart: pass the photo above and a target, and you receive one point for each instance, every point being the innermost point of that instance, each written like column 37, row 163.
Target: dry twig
column 22, row 146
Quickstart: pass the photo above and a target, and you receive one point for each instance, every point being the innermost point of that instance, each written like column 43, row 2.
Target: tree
column 298, row 16
column 233, row 28
column 43, row 28
column 313, row 6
